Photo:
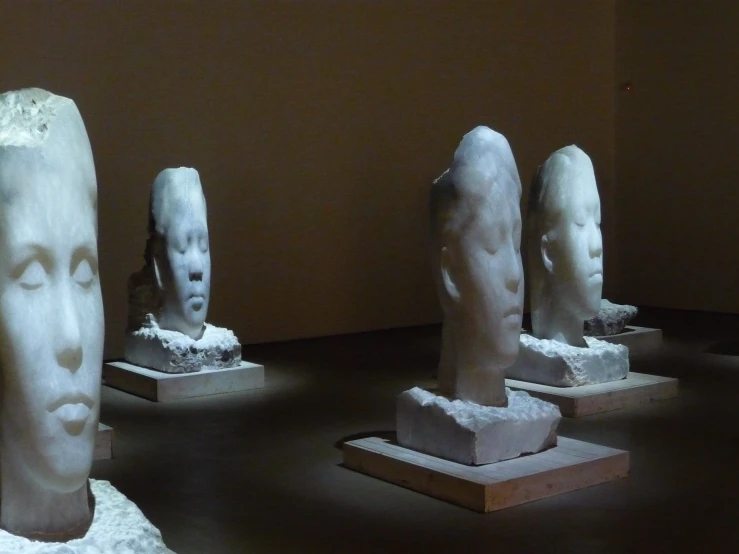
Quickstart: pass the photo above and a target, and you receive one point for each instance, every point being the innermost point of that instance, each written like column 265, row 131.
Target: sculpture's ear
column 546, row 254
column 447, row 274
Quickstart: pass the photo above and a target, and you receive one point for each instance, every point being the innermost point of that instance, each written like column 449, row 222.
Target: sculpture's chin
column 66, row 476
column 507, row 352
column 195, row 314
column 196, row 325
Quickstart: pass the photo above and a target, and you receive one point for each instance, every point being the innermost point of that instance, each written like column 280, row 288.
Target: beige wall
column 317, row 127
column 677, row 146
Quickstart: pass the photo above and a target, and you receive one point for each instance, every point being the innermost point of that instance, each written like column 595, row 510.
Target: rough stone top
column 556, row 349
column 26, row 116
column 472, row 416
column 213, row 337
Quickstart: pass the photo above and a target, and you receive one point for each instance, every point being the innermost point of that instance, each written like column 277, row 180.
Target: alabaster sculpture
column 565, row 278
column 475, row 251
column 51, row 337
column 169, row 296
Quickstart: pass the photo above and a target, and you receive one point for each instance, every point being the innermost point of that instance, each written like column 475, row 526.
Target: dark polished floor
column 260, row 472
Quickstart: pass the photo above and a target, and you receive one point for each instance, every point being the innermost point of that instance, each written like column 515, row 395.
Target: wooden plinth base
column 165, row 387
column 569, row 466
column 103, row 443
column 635, row 389
column 639, row 340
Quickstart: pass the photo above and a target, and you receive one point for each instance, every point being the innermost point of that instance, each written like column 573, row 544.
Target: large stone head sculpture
column 565, row 247
column 178, row 253
column 475, row 243
column 51, row 315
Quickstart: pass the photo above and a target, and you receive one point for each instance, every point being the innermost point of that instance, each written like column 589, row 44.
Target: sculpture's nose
column 196, row 275
column 595, row 244
column 68, row 341
column 195, row 267
column 514, row 271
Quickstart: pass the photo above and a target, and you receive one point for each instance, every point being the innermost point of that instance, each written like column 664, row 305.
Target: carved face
column 51, row 316
column 485, row 273
column 575, row 247
column 183, row 266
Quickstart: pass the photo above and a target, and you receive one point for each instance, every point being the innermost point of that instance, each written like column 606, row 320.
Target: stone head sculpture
column 475, row 245
column 51, row 315
column 565, row 247
column 177, row 252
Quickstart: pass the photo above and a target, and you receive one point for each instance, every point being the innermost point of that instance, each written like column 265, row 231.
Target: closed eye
column 32, row 271
column 84, row 266
column 32, row 275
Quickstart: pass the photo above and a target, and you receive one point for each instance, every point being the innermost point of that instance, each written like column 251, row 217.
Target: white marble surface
column 475, row 242
column 550, row 362
column 468, row 433
column 118, row 527
column 169, row 296
column 177, row 256
column 51, row 312
column 565, row 247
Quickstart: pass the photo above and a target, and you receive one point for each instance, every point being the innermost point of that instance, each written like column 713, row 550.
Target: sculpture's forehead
column 498, row 207
column 31, row 175
column 41, row 206
column 176, row 195
column 570, row 181
column 578, row 191
column 495, row 211
column 183, row 213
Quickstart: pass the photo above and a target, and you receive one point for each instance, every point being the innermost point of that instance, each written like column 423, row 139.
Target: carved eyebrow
column 33, row 253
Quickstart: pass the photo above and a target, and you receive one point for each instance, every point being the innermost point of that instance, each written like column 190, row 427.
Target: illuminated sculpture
column 51, row 338
column 566, row 278
column 475, row 242
column 168, row 298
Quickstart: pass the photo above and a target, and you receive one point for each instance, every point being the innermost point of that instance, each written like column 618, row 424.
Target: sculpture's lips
column 597, row 275
column 71, row 399
column 196, row 301
column 73, row 410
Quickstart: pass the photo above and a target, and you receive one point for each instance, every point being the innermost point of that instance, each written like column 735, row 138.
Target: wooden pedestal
column 571, row 465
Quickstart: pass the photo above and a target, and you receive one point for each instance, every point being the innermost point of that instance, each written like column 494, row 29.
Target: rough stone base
column 118, row 527
column 174, row 352
column 611, row 319
column 553, row 363
column 471, row 434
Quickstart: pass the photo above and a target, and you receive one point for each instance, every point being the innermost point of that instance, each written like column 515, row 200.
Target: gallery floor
column 259, row 472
